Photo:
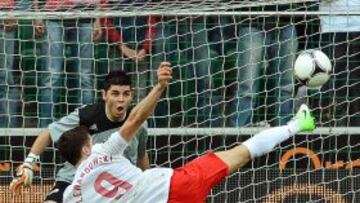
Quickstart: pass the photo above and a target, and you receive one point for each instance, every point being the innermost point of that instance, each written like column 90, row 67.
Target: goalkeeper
column 101, row 120
column 104, row 175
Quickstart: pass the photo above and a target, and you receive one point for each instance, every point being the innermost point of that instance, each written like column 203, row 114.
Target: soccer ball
column 312, row 68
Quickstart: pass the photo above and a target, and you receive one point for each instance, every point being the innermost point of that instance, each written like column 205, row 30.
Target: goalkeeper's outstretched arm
column 24, row 172
column 42, row 141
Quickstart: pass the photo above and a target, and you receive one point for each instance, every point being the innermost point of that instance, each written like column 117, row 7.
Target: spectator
column 23, row 4
column 184, row 42
column 55, row 33
column 222, row 37
column 340, row 39
column 266, row 44
column 9, row 91
column 133, row 40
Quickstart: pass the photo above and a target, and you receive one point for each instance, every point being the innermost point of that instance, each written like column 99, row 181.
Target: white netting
column 232, row 63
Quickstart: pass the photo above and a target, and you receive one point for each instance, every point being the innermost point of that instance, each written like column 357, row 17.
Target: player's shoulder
column 88, row 114
column 92, row 109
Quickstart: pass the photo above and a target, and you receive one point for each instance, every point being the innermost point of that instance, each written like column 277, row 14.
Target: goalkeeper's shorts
column 192, row 182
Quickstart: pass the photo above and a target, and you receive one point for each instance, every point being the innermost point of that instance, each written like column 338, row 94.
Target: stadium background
column 252, row 183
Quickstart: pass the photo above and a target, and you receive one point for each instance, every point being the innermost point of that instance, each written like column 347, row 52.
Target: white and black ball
column 312, row 68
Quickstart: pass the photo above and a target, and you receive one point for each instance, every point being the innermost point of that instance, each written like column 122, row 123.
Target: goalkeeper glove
column 24, row 173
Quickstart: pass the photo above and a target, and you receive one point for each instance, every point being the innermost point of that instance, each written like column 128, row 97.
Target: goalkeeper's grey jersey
column 100, row 127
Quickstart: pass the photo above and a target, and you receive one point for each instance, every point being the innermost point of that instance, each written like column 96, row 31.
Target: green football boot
column 305, row 119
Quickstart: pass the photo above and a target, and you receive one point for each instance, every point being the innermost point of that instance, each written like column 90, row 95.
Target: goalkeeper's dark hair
column 71, row 143
column 117, row 77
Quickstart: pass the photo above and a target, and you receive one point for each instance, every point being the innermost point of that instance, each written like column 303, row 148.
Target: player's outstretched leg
column 265, row 141
column 207, row 171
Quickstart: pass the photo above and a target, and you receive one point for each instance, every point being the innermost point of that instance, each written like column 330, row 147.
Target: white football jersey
column 106, row 176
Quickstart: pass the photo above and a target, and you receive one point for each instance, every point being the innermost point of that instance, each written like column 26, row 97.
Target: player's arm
column 147, row 105
column 24, row 172
column 42, row 141
column 144, row 162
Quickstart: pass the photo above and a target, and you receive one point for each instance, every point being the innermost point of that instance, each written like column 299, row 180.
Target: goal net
column 232, row 77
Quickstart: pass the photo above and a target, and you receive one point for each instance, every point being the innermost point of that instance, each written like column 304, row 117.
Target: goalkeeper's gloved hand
column 24, row 173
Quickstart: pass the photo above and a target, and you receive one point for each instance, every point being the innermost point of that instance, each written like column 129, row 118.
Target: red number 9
column 117, row 183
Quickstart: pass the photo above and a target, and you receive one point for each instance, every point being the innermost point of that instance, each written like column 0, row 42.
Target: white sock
column 265, row 141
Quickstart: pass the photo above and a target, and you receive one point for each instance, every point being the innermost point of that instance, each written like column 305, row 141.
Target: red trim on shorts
column 192, row 182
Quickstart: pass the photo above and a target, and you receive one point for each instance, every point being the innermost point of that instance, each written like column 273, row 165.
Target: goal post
column 232, row 65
